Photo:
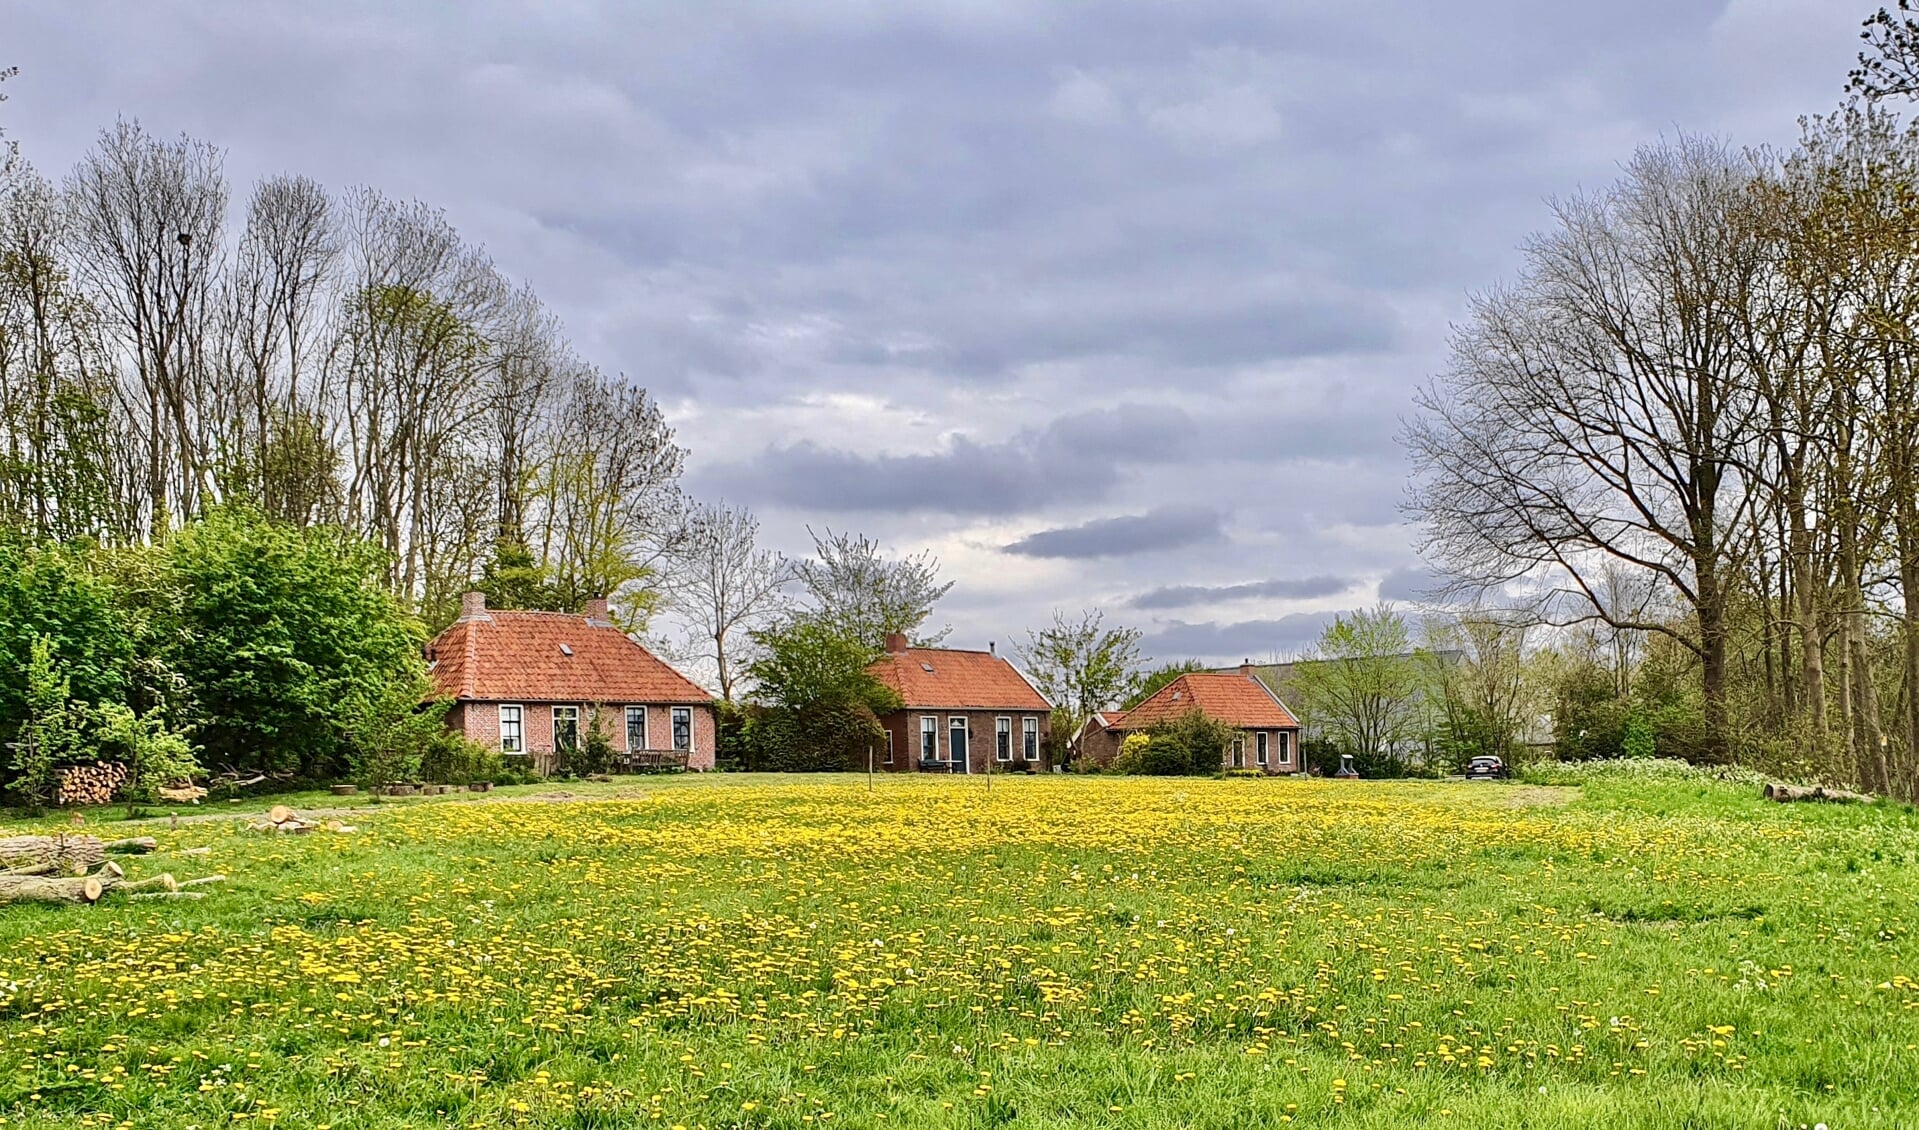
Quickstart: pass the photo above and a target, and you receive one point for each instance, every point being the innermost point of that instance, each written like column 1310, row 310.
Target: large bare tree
column 725, row 586
column 1598, row 412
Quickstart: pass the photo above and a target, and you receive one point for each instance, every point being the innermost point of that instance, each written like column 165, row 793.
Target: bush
column 453, row 760
column 594, row 754
column 1131, row 758
column 51, row 732
column 1637, row 769
column 389, row 731
column 154, row 755
column 822, row 738
column 1192, row 744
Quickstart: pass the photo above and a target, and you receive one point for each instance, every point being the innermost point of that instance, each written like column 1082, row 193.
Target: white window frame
column 929, row 728
column 1029, row 738
column 644, row 728
column 1261, row 742
column 1286, row 748
column 682, row 712
column 1003, row 739
column 575, row 717
column 519, row 729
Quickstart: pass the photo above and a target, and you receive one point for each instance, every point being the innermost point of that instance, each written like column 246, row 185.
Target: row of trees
column 1691, row 419
column 345, row 360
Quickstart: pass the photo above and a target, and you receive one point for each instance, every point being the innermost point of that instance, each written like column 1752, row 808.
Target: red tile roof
column 966, row 680
column 1237, row 700
column 523, row 657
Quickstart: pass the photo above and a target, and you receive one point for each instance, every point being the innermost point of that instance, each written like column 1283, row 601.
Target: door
column 956, row 742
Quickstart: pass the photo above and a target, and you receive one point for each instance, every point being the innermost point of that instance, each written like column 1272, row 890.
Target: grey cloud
column 1185, row 596
column 1244, row 639
column 1414, row 583
column 1167, row 527
column 1075, row 458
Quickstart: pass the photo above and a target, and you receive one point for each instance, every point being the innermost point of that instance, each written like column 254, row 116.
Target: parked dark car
column 1486, row 767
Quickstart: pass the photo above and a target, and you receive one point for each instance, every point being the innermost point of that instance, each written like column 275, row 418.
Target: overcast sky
column 1106, row 304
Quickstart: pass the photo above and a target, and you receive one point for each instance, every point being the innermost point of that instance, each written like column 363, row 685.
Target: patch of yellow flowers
column 705, row 952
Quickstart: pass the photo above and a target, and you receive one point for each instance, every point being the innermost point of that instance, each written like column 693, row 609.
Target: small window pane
column 1003, row 739
column 566, row 727
column 929, row 738
column 682, row 728
column 1030, row 737
column 512, row 736
column 635, row 729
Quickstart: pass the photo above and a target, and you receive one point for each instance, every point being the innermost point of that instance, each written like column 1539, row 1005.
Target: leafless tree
column 864, row 596
column 146, row 220
column 724, row 586
column 1601, row 409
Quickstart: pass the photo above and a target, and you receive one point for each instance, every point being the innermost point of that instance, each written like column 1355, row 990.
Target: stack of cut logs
column 280, row 818
column 77, row 869
column 91, row 784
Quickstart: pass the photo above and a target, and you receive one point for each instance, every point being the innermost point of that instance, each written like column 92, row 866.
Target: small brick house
column 965, row 712
column 1268, row 732
column 529, row 683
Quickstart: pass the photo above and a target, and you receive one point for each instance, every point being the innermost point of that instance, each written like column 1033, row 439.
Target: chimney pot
column 473, row 606
column 1247, row 669
column 992, row 647
column 896, row 643
column 596, row 611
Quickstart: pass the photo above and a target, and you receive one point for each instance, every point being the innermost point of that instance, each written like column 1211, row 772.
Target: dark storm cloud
column 1185, row 596
column 1168, row 527
column 1229, row 642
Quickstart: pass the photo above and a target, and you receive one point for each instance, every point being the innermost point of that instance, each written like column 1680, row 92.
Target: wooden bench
column 650, row 761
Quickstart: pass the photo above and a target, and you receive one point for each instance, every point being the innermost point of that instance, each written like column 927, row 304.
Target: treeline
column 1691, row 425
column 327, row 359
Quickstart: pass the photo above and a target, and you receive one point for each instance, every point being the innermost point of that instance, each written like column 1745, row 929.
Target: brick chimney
column 1247, row 669
column 596, row 613
column 473, row 606
column 896, row 643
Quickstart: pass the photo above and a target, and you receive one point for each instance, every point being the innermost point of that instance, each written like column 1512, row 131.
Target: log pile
column 281, row 819
column 1785, row 793
column 76, row 869
column 90, row 784
column 183, row 793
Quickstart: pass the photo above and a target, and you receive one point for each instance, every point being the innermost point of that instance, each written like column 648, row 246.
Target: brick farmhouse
column 965, row 712
column 1268, row 733
column 531, row 683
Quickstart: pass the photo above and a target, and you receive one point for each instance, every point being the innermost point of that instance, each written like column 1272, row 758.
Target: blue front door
column 956, row 744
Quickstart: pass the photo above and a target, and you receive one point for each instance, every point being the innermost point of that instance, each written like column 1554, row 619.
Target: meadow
column 740, row 952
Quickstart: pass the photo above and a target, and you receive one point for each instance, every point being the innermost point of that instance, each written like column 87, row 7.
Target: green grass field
column 1059, row 951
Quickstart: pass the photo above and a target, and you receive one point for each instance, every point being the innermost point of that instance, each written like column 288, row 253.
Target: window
column 566, row 727
column 1002, row 739
column 1285, row 747
column 1259, row 747
column 956, row 739
column 1239, row 751
column 1029, row 737
column 929, row 738
column 635, row 729
column 512, row 732
column 889, row 747
column 683, row 727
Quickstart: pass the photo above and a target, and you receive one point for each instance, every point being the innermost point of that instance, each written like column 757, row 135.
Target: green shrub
column 391, row 729
column 153, row 754
column 594, row 753
column 51, row 732
column 826, row 737
column 453, row 760
column 1637, row 769
column 1191, row 744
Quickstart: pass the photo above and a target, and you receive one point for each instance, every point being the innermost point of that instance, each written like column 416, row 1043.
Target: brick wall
column 480, row 722
column 905, row 727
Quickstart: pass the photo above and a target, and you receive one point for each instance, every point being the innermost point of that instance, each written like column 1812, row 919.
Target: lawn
column 1054, row 951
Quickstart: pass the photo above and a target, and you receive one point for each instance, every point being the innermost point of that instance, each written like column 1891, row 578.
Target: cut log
column 279, row 814
column 1786, row 793
column 65, row 853
column 85, row 889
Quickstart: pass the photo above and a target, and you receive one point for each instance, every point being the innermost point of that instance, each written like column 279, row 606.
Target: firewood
column 279, row 814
